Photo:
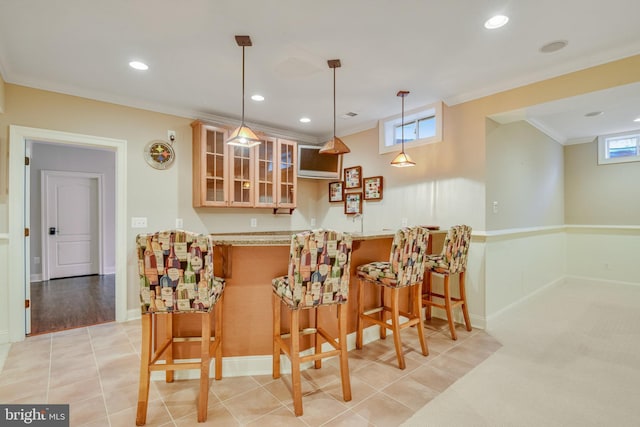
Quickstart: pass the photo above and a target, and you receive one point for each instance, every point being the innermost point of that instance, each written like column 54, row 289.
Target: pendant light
column 335, row 144
column 243, row 136
column 402, row 160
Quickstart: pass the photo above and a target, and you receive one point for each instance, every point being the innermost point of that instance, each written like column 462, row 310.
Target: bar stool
column 318, row 275
column 452, row 260
column 176, row 277
column 405, row 268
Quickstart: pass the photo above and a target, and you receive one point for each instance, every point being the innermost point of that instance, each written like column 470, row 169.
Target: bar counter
column 248, row 262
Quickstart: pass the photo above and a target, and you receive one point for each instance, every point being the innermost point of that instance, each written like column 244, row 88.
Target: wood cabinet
column 263, row 176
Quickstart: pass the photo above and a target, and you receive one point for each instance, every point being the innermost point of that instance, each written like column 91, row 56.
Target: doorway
column 21, row 263
column 72, row 235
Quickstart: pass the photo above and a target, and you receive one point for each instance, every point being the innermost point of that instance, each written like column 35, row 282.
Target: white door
column 71, row 224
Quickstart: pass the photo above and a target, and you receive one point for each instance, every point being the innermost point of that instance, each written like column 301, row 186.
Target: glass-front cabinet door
column 209, row 166
column 286, row 189
column 241, row 182
column 265, row 189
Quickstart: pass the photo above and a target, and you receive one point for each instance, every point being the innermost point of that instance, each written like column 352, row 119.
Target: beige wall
column 4, row 153
column 600, row 194
column 446, row 186
column 525, row 177
column 1, row 94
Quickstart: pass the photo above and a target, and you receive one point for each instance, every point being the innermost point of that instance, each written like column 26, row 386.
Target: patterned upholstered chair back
column 319, row 269
column 456, row 248
column 176, row 272
column 407, row 255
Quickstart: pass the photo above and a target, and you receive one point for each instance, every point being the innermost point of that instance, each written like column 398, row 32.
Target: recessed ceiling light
column 594, row 114
column 637, row 119
column 496, row 22
column 257, row 97
column 554, row 46
column 305, row 120
column 137, row 65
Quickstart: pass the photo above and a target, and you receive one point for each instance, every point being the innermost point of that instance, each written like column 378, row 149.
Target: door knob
column 52, row 231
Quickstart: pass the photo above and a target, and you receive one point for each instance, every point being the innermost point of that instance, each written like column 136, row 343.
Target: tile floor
column 95, row 370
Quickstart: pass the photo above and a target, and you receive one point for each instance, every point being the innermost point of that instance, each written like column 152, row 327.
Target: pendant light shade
column 243, row 136
column 402, row 160
column 335, row 144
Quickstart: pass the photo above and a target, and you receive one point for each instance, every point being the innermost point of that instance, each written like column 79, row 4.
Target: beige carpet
column 570, row 357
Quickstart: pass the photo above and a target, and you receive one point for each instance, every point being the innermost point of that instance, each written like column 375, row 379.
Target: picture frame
column 353, row 177
column 336, row 191
column 373, row 187
column 353, row 203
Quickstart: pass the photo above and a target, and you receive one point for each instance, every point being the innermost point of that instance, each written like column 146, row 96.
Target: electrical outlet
column 495, row 207
column 405, row 222
column 313, row 222
column 254, row 222
column 138, row 222
column 171, row 135
column 179, row 223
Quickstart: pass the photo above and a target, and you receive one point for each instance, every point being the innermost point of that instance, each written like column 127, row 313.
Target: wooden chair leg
column 145, row 358
column 296, row 382
column 395, row 326
column 463, row 297
column 427, row 294
column 218, row 338
column 205, row 361
column 447, row 305
column 344, row 355
column 359, row 321
column 317, row 338
column 276, row 337
column 169, row 352
column 383, row 313
column 417, row 311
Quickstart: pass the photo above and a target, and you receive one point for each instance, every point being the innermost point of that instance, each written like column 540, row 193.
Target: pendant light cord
column 334, row 103
column 402, row 124
column 243, row 85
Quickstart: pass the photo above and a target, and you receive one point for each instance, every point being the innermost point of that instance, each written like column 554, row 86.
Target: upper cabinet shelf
column 263, row 176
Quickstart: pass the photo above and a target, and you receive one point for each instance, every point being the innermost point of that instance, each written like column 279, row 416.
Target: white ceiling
column 438, row 50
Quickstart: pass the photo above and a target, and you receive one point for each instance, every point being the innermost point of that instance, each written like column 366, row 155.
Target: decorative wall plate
column 159, row 154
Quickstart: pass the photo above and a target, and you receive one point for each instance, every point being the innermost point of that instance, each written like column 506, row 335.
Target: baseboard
column 4, row 337
column 600, row 281
column 237, row 366
column 133, row 314
column 36, row 278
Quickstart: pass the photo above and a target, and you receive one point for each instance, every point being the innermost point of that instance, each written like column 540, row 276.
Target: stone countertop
column 283, row 238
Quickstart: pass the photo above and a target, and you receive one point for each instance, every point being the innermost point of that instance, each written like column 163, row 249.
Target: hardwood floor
column 72, row 302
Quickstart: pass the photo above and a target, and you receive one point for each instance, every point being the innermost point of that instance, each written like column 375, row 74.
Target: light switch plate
column 138, row 222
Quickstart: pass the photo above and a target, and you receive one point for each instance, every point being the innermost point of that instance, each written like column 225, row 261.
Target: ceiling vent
column 349, row 115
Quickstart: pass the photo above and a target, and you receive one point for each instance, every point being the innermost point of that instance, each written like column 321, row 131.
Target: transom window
column 619, row 147
column 421, row 126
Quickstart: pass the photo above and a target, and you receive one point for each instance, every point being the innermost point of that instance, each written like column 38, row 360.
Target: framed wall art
column 372, row 188
column 353, row 177
column 353, row 203
column 336, row 191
